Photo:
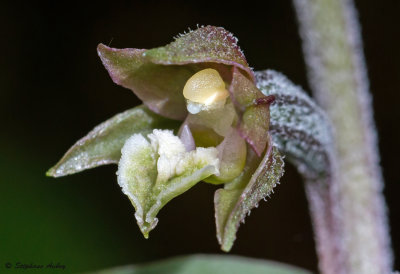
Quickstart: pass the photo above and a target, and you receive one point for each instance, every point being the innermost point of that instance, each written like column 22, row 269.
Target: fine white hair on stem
column 337, row 73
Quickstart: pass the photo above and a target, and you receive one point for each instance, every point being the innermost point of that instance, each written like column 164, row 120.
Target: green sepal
column 238, row 198
column 207, row 44
column 103, row 144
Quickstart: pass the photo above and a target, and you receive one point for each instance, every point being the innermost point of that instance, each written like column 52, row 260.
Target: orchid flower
column 205, row 117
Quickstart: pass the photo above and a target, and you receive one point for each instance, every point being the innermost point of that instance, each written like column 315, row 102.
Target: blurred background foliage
column 54, row 89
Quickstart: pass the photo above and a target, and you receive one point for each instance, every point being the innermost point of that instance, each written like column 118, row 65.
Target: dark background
column 54, row 89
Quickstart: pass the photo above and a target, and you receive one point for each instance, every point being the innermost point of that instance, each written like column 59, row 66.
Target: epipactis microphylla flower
column 202, row 119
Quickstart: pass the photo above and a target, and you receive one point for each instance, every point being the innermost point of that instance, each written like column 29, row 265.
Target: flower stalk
column 351, row 230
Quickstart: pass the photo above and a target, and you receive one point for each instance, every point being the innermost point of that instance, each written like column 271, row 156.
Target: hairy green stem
column 359, row 242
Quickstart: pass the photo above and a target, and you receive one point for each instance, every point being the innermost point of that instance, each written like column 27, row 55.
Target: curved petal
column 254, row 109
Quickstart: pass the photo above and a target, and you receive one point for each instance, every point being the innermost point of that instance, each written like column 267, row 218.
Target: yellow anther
column 206, row 87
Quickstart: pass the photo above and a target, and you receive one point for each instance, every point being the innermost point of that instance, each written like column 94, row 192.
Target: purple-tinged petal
column 187, row 138
column 158, row 86
column 254, row 109
column 203, row 136
column 206, row 44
